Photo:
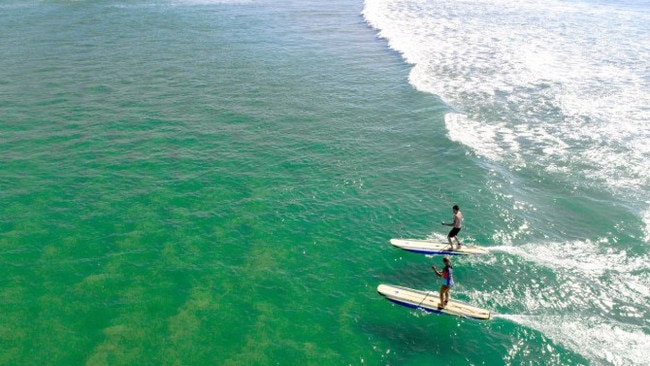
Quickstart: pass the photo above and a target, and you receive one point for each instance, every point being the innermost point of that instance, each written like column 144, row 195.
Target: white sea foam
column 556, row 86
column 570, row 296
column 596, row 261
column 602, row 343
column 580, row 311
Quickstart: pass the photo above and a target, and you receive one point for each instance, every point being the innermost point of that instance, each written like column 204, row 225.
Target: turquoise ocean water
column 209, row 182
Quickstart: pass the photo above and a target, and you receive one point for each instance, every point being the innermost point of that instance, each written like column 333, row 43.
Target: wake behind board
column 429, row 300
column 433, row 248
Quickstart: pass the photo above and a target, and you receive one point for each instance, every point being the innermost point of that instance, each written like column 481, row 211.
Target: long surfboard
column 429, row 300
column 435, row 248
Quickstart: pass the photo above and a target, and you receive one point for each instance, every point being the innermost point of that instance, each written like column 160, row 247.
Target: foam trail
column 505, row 249
column 595, row 261
column 603, row 343
column 574, row 305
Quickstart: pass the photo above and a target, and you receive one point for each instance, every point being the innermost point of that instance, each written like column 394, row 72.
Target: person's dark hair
column 456, row 207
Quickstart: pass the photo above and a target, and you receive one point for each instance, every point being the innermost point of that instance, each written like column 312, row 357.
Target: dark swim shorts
column 453, row 232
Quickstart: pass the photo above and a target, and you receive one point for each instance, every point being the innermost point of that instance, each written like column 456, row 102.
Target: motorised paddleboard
column 435, row 248
column 429, row 300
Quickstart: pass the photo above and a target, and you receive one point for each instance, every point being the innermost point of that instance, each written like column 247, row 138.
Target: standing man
column 456, row 226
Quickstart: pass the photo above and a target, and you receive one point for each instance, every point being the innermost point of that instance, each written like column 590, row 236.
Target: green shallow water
column 196, row 183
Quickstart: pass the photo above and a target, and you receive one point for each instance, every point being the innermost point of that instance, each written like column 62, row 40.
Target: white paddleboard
column 429, row 300
column 435, row 248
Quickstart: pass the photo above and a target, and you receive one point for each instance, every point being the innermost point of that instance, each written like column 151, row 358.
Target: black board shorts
column 453, row 232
